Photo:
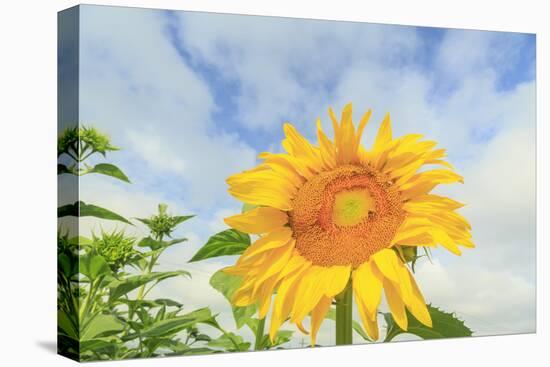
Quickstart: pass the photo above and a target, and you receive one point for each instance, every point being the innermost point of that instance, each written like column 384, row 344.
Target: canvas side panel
column 67, row 184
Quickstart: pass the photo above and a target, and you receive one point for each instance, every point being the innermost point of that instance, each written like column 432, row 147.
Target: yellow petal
column 387, row 262
column 298, row 146
column 370, row 322
column 418, row 305
column 422, row 183
column 384, row 135
column 397, row 307
column 279, row 259
column 284, row 299
column 335, row 126
column 258, row 220
column 346, row 144
column 265, row 294
column 336, row 279
column 310, row 291
column 367, row 288
column 272, row 240
column 328, row 153
column 298, row 165
column 317, row 316
column 262, row 196
column 364, row 120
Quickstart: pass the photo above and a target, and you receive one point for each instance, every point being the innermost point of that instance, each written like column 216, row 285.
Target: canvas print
column 232, row 183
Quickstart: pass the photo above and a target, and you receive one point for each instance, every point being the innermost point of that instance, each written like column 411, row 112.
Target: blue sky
column 193, row 97
column 225, row 87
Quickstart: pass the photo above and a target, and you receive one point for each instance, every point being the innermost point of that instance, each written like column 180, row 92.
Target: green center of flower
column 351, row 207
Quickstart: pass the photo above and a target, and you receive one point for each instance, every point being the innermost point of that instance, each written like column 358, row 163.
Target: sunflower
column 335, row 218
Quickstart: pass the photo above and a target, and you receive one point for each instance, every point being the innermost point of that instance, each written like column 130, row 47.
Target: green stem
column 259, row 334
column 344, row 317
column 85, row 305
column 150, row 266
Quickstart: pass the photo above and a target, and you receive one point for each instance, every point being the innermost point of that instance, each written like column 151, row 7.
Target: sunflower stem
column 259, row 334
column 344, row 318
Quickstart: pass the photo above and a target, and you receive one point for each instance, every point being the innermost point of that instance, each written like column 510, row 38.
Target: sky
column 192, row 98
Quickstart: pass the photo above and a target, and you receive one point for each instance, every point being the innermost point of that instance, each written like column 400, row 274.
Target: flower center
column 351, row 207
column 343, row 216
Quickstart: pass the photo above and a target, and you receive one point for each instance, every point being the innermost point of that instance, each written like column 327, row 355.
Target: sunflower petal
column 367, row 288
column 384, row 135
column 311, row 290
column 328, row 153
column 337, row 278
column 258, row 220
column 317, row 316
column 284, row 299
column 397, row 307
column 270, row 241
column 418, row 306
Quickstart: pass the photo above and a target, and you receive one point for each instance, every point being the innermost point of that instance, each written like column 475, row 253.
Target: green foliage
column 108, row 170
column 103, row 310
column 230, row 342
column 115, row 248
column 445, row 325
column 228, row 242
column 93, row 266
column 155, row 245
column 171, row 326
column 81, row 142
column 227, row 284
column 121, row 287
column 81, row 209
column 162, row 224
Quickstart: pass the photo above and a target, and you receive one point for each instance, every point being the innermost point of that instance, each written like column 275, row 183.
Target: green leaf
column 68, row 210
column 101, row 325
column 67, row 324
column 227, row 284
column 81, row 209
column 119, row 288
column 155, row 245
column 80, row 240
column 109, row 170
column 445, row 325
column 61, row 168
column 92, row 266
column 174, row 241
column 180, row 348
column 150, row 242
column 331, row 315
column 282, row 337
column 181, row 218
column 134, row 303
column 176, row 324
column 144, row 221
column 64, row 264
column 96, row 343
column 228, row 242
column 230, row 342
column 203, row 338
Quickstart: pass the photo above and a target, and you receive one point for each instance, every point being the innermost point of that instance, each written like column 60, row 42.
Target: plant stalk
column 344, row 317
column 259, row 334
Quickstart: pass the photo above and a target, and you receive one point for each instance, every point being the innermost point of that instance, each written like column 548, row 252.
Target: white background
column 28, row 181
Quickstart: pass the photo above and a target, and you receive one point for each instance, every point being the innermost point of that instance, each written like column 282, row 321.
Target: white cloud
column 491, row 302
column 135, row 86
column 465, row 53
column 283, row 65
